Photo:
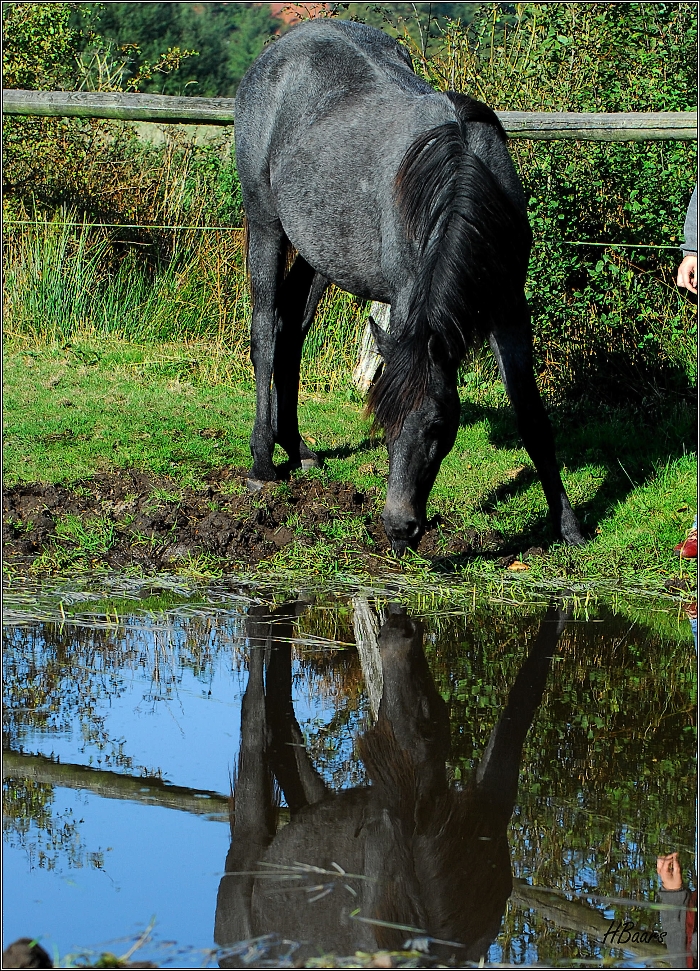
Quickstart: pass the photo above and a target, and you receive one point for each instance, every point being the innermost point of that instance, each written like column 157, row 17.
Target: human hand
column 669, row 869
column 688, row 273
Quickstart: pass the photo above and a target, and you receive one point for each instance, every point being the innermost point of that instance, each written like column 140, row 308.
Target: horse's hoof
column 255, row 485
column 312, row 463
column 569, row 529
column 573, row 536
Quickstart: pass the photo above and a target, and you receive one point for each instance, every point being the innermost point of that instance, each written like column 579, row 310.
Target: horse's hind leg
column 266, row 251
column 298, row 299
column 499, row 769
column 512, row 345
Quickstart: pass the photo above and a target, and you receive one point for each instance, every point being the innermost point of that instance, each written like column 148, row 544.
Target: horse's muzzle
column 402, row 532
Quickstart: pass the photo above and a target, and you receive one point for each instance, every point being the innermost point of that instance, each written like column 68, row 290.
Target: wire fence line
column 588, row 242
column 86, row 224
column 240, row 229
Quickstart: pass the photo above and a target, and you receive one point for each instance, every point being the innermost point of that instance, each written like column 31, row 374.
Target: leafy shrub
column 605, row 318
column 40, row 50
column 102, row 172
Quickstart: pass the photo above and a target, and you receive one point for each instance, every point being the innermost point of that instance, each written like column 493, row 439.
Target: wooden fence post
column 371, row 361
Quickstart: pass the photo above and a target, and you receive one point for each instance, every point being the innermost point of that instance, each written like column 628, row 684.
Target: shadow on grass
column 286, row 468
column 629, row 443
column 368, row 444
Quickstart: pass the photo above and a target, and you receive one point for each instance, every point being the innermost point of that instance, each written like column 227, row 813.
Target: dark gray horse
column 399, row 194
column 369, row 867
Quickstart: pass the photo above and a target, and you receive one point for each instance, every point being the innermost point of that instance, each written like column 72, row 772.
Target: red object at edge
column 688, row 549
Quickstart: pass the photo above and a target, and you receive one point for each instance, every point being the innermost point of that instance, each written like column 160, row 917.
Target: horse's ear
column 382, row 338
column 469, row 109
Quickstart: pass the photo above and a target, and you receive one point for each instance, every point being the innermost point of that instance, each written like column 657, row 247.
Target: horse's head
column 417, row 440
column 415, row 456
column 411, row 704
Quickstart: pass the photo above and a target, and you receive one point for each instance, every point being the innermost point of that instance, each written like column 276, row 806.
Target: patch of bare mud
column 153, row 522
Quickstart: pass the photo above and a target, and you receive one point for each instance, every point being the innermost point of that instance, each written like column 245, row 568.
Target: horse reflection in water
column 406, row 856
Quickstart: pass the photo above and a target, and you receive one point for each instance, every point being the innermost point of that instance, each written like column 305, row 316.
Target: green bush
column 90, row 171
column 40, row 51
column 606, row 319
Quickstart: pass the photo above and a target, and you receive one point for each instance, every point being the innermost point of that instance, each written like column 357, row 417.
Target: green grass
column 90, row 406
column 73, row 410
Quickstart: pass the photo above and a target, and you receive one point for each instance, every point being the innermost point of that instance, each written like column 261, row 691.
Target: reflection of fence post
column 366, row 623
column 371, row 361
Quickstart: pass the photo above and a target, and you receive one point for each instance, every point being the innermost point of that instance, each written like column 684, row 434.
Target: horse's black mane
column 474, row 245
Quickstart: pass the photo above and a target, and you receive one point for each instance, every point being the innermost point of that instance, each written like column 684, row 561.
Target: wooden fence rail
column 582, row 126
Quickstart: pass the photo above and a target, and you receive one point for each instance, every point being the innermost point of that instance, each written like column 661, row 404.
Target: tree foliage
column 100, row 170
column 41, row 45
column 599, row 312
column 41, row 42
column 227, row 37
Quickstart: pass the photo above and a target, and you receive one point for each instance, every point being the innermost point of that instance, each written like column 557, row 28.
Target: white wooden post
column 371, row 362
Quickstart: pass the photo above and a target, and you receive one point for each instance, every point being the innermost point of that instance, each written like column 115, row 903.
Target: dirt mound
column 130, row 518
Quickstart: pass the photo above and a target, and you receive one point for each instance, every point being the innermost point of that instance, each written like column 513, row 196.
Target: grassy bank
column 96, row 405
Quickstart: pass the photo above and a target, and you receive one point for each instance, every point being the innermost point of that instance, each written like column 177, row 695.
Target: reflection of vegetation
column 608, row 768
column 44, row 689
column 57, row 674
column 49, row 836
column 155, row 603
column 336, row 676
column 25, row 801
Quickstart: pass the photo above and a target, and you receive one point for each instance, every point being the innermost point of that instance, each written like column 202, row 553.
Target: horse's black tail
column 473, row 246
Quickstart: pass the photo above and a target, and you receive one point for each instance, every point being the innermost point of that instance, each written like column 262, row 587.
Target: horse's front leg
column 512, row 346
column 297, row 302
column 265, row 265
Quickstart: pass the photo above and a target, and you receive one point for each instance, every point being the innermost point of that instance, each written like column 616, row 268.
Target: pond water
column 487, row 779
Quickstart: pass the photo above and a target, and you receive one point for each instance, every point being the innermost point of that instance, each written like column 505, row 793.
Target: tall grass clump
column 59, row 288
column 51, row 279
column 58, row 283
